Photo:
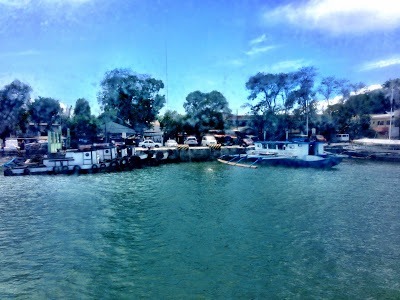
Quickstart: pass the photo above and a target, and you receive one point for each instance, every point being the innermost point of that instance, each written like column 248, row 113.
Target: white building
column 383, row 127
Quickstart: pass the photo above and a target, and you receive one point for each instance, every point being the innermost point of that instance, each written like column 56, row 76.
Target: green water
column 203, row 231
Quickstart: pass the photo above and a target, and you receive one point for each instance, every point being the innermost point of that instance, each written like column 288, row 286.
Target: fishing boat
column 284, row 153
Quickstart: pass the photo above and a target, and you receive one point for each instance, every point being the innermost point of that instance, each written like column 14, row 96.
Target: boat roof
column 281, row 142
column 384, row 142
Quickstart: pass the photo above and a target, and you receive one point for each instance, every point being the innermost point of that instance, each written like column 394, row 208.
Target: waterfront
column 203, row 230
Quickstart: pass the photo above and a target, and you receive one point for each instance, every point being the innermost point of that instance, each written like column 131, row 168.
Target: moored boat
column 285, row 153
column 87, row 159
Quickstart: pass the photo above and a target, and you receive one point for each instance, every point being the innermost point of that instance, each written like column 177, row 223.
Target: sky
column 63, row 48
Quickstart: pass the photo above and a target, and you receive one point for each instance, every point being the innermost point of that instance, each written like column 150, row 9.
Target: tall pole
column 391, row 113
column 307, row 118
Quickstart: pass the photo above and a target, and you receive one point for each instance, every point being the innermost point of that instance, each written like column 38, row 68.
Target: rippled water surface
column 203, row 231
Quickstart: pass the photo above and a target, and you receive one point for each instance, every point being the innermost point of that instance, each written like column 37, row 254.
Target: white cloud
column 23, row 3
column 380, row 64
column 288, row 65
column 257, row 50
column 15, row 3
column 235, row 63
column 258, row 40
column 20, row 53
column 339, row 16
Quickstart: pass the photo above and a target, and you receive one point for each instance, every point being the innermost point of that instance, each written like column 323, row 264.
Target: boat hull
column 309, row 162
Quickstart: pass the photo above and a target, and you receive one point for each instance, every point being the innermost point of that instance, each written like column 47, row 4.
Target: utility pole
column 391, row 111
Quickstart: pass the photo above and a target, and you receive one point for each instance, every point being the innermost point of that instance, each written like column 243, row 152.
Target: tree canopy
column 45, row 110
column 206, row 111
column 83, row 124
column 172, row 124
column 13, row 100
column 134, row 97
column 273, row 96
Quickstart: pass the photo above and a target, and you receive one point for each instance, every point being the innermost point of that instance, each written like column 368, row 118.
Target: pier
column 183, row 153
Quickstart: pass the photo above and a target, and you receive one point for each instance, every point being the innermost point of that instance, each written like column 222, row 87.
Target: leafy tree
column 173, row 124
column 329, row 87
column 305, row 94
column 273, row 94
column 345, row 88
column 45, row 110
column 82, row 108
column 206, row 111
column 83, row 124
column 267, row 88
column 135, row 98
column 359, row 127
column 13, row 99
column 392, row 92
column 368, row 103
column 356, row 87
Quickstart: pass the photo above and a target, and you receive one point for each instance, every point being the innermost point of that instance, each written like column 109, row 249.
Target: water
column 203, row 231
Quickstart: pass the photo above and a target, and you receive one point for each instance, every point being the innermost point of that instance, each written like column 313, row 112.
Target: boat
column 375, row 149
column 87, row 159
column 284, row 153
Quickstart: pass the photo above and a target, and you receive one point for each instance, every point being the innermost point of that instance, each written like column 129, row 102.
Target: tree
column 134, row 97
column 344, row 89
column 45, row 110
column 357, row 87
column 267, row 88
column 329, row 87
column 82, row 108
column 272, row 93
column 83, row 124
column 305, row 93
column 206, row 111
column 173, row 124
column 392, row 91
column 13, row 100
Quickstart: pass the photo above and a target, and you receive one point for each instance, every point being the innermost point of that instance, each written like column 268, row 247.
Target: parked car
column 247, row 142
column 191, row 141
column 208, row 140
column 171, row 143
column 149, row 144
column 225, row 140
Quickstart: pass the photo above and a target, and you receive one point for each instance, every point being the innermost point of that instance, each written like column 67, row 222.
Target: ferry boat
column 285, row 153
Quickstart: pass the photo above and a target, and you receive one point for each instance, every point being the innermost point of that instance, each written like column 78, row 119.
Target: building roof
column 112, row 127
column 396, row 113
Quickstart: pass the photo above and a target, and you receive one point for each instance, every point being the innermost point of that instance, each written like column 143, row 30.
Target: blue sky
column 63, row 48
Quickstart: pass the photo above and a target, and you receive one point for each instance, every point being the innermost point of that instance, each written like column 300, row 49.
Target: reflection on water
column 203, row 230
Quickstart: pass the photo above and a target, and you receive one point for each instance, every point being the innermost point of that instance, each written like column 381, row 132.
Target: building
column 380, row 123
column 115, row 131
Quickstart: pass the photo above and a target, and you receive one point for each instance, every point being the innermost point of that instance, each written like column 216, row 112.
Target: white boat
column 88, row 160
column 293, row 154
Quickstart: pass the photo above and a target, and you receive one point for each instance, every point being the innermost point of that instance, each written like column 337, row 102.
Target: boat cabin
column 290, row 148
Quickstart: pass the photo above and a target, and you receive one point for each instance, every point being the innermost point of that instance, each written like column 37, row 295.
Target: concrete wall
column 197, row 153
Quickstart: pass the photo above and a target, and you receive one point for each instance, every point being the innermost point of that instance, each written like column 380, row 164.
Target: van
column 208, row 140
column 342, row 137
